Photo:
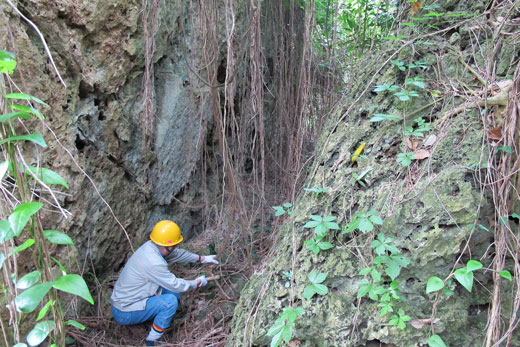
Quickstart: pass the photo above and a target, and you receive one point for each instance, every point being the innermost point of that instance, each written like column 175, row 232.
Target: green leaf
column 279, row 211
column 29, row 299
column 436, row 341
column 28, row 243
column 309, row 292
column 379, row 117
column 276, row 327
column 6, row 233
column 312, row 224
column 27, row 109
column 506, row 274
column 277, row 339
column 40, row 333
column 325, row 245
column 75, row 324
column 376, row 220
column 321, row 289
column 352, row 225
column 35, row 138
column 320, row 278
column 287, row 332
column 2, row 258
column 7, row 62
column 473, row 265
column 464, row 277
column 21, row 215
column 22, row 115
column 74, row 284
column 23, row 96
column 28, row 280
column 483, row 227
column 48, row 176
column 57, row 237
column 331, row 225
column 44, row 310
column 434, row 284
column 287, row 205
column 365, row 225
column 506, row 149
column 19, row 344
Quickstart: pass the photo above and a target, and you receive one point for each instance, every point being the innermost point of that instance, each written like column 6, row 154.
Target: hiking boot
column 153, row 343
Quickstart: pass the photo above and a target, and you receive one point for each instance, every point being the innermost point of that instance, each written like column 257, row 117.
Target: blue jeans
column 160, row 307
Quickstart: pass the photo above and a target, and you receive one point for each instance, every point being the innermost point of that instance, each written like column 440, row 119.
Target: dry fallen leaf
column 430, row 141
column 421, row 154
column 495, row 134
column 419, row 323
column 410, row 143
column 416, row 6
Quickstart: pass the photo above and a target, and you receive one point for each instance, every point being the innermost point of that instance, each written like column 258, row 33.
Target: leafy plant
column 287, row 275
column 316, row 286
column 422, row 127
column 386, row 86
column 317, row 245
column 26, row 293
column 465, row 275
column 282, row 329
column 379, row 117
column 417, row 81
column 405, row 158
column 363, row 221
column 281, row 210
column 405, row 94
column 321, row 225
column 400, row 65
column 359, row 178
column 436, row 341
column 399, row 319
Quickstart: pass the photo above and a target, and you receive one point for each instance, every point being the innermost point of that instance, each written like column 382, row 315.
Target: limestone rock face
column 430, row 209
column 98, row 49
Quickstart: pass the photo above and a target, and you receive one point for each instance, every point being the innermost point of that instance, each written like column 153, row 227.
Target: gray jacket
column 145, row 273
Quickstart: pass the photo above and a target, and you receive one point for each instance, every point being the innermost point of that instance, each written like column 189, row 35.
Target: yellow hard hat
column 166, row 233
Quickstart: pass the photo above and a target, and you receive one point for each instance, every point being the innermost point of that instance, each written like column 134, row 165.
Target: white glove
column 203, row 280
column 209, row 259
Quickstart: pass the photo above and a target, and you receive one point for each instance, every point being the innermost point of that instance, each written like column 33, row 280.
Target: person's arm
column 164, row 278
column 182, row 256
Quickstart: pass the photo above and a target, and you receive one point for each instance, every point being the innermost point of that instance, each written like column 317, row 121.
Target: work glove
column 209, row 259
column 203, row 280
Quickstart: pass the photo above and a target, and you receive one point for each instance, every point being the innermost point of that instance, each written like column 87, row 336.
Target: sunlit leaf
column 473, row 265
column 28, row 243
column 21, row 215
column 29, row 299
column 48, row 176
column 35, row 138
column 27, row 109
column 75, row 324
column 464, row 277
column 57, row 237
column 23, row 96
column 6, row 233
column 44, row 310
column 436, row 341
column 434, row 284
column 506, row 274
column 40, row 333
column 74, row 284
column 28, row 280
column 22, row 115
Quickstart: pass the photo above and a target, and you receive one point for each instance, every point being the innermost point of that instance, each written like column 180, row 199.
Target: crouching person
column 146, row 289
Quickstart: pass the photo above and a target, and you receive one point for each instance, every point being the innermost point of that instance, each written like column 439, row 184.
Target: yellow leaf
column 358, row 151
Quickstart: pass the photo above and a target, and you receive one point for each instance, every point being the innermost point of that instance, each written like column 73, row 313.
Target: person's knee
column 171, row 302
